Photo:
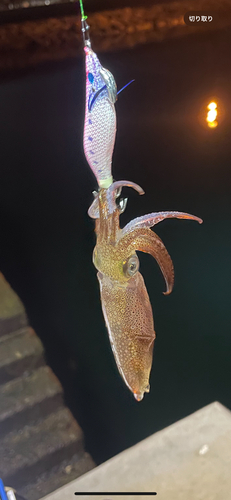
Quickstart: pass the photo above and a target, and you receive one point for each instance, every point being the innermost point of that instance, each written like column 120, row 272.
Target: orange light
column 212, row 114
column 212, row 105
column 212, row 124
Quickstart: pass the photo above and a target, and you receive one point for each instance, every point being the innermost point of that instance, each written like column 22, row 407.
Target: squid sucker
column 125, row 302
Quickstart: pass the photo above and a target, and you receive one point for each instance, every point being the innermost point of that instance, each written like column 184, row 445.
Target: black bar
column 116, row 493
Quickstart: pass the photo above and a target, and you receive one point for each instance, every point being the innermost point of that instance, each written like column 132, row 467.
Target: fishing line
column 82, row 10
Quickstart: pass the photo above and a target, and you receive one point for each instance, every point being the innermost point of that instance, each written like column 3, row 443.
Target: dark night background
column 47, row 239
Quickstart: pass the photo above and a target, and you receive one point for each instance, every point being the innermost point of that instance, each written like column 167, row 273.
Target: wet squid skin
column 125, row 301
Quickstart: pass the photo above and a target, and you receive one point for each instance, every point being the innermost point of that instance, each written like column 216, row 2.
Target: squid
column 125, row 302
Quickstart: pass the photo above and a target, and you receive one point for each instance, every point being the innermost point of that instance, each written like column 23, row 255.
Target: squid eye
column 131, row 266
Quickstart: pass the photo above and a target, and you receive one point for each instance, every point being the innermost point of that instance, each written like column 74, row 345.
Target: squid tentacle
column 153, row 218
column 119, row 184
column 113, row 192
column 145, row 240
column 93, row 210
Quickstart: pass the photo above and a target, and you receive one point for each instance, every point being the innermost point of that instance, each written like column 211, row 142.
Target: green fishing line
column 82, row 10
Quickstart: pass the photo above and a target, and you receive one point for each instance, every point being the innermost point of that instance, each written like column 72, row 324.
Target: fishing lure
column 125, row 302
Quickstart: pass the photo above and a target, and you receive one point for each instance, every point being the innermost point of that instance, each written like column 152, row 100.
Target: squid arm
column 113, row 192
column 154, row 218
column 145, row 240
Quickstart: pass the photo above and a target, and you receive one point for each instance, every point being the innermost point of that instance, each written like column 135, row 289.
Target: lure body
column 125, row 302
column 100, row 118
